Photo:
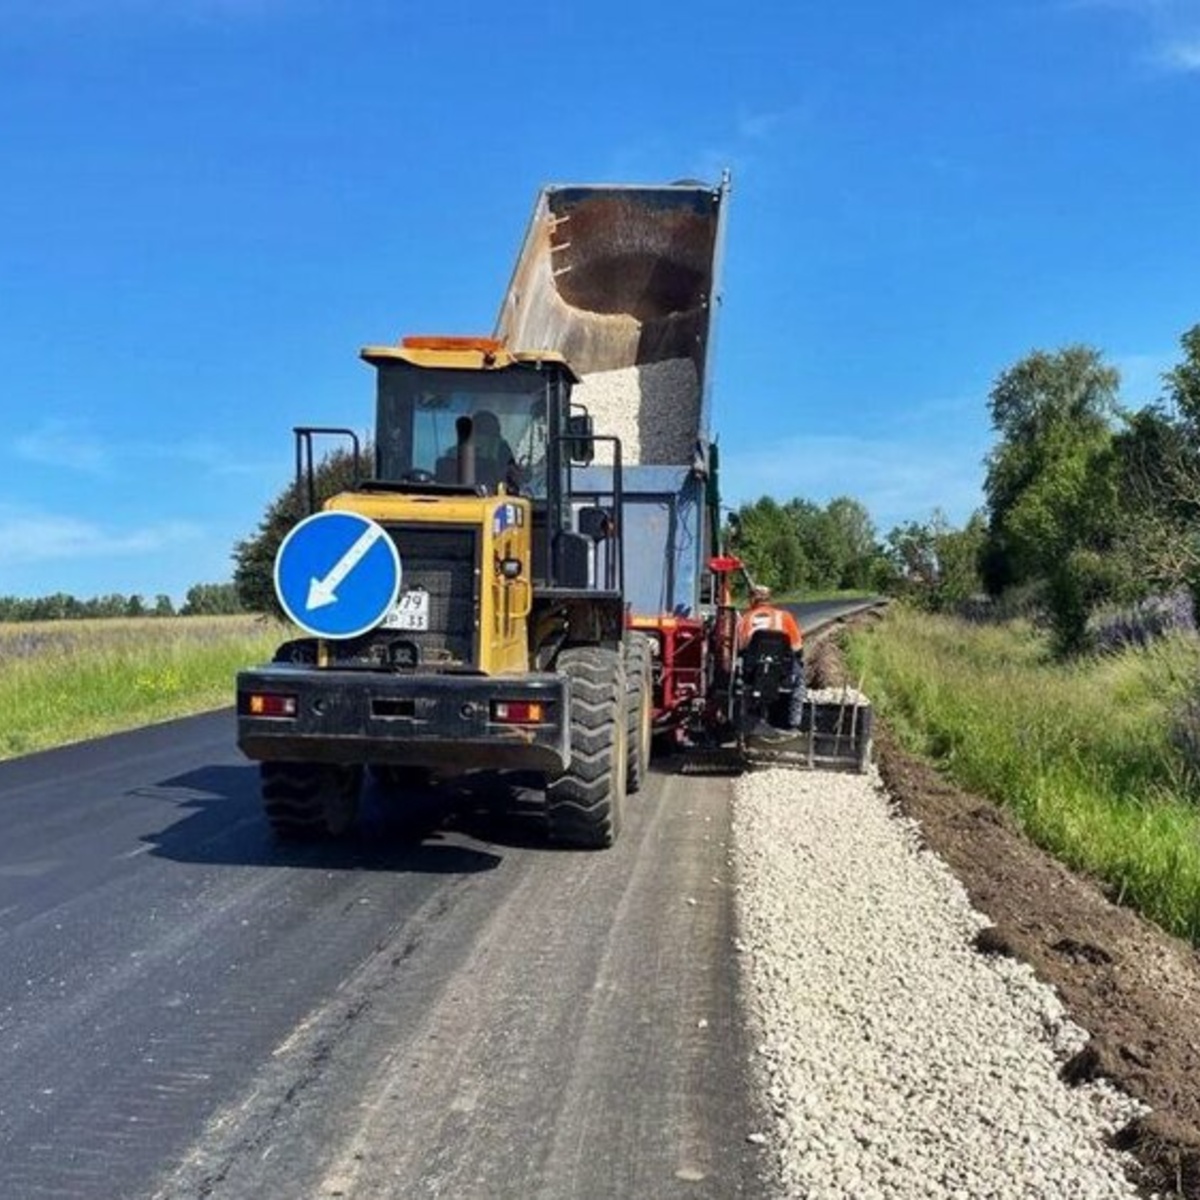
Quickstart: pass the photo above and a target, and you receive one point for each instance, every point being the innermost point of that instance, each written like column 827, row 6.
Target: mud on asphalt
column 1133, row 987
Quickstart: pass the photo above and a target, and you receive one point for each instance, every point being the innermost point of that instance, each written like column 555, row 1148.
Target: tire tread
column 584, row 804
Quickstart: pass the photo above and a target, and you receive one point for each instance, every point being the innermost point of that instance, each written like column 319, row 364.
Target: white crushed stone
column 654, row 409
column 899, row 1062
column 848, row 696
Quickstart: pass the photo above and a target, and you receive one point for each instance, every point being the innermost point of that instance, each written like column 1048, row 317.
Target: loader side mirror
column 595, row 522
column 581, row 432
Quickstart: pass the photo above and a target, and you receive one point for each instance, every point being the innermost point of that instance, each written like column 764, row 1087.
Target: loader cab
column 466, row 416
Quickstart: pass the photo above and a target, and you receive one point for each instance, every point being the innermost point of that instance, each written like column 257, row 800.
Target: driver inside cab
column 495, row 462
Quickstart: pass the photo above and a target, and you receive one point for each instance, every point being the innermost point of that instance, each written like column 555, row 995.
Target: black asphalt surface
column 440, row 1006
column 815, row 615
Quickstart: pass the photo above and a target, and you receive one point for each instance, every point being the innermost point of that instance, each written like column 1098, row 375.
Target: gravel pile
column 898, row 1060
column 654, row 410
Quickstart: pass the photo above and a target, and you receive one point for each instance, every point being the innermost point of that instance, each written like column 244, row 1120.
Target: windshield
column 417, row 437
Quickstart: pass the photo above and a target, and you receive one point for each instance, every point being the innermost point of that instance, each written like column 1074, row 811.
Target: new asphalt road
column 442, row 1005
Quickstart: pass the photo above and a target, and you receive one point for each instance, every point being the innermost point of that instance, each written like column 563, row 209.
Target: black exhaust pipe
column 464, row 427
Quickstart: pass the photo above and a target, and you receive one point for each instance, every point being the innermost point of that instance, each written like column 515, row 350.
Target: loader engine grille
column 442, row 559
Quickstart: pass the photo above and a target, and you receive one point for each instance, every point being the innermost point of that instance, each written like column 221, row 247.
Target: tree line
column 800, row 546
column 203, row 599
column 1089, row 506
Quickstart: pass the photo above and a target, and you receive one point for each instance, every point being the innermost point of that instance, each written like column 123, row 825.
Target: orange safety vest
column 764, row 616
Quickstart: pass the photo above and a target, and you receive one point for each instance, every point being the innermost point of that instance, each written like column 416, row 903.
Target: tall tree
column 822, row 563
column 1182, row 383
column 1046, row 389
column 1158, row 463
column 769, row 545
column 254, row 557
column 1051, row 486
column 853, row 535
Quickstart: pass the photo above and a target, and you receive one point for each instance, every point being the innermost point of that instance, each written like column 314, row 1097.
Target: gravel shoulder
column 1132, row 987
column 900, row 1062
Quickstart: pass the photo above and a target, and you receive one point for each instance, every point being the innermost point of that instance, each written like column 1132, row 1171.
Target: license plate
column 411, row 611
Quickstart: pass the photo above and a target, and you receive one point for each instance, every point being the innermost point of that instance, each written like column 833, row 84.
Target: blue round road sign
column 337, row 574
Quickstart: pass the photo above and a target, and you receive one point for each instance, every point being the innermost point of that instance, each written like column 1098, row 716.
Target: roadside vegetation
column 1096, row 756
column 1089, row 505
column 1045, row 653
column 66, row 680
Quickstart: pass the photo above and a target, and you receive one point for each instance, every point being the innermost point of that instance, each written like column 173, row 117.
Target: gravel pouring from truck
column 625, row 283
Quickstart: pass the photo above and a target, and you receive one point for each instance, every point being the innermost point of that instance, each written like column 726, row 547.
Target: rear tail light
column 270, row 704
column 518, row 712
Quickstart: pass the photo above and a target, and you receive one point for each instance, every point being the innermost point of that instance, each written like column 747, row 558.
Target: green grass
column 1081, row 752
column 62, row 681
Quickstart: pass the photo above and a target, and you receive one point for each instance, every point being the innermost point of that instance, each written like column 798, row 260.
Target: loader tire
column 400, row 778
column 585, row 804
column 639, row 685
column 310, row 801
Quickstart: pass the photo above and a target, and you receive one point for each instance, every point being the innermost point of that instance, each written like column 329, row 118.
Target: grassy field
column 1086, row 754
column 62, row 681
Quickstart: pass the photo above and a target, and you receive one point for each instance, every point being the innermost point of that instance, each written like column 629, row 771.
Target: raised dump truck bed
column 622, row 280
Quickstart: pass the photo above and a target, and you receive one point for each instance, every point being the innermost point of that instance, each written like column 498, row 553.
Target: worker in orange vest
column 762, row 614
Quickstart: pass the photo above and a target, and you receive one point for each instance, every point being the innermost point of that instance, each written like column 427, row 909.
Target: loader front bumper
column 451, row 723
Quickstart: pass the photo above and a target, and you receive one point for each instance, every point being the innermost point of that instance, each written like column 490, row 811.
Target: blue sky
column 207, row 206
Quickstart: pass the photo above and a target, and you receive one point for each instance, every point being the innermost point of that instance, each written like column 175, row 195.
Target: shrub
column 1139, row 624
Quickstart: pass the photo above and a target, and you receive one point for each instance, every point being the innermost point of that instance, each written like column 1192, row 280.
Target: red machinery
column 708, row 699
column 694, row 659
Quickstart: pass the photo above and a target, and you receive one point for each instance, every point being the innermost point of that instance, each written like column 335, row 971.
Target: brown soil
column 1134, row 988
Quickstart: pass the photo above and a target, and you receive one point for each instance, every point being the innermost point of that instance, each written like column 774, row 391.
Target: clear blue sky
column 207, row 206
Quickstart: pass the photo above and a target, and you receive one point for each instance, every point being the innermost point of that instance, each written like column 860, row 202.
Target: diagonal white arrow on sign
column 324, row 591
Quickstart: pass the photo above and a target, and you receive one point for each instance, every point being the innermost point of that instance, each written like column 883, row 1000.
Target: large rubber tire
column 393, row 778
column 310, row 801
column 585, row 804
column 639, row 684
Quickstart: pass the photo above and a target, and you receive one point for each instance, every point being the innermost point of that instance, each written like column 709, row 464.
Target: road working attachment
column 834, row 734
column 759, row 710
